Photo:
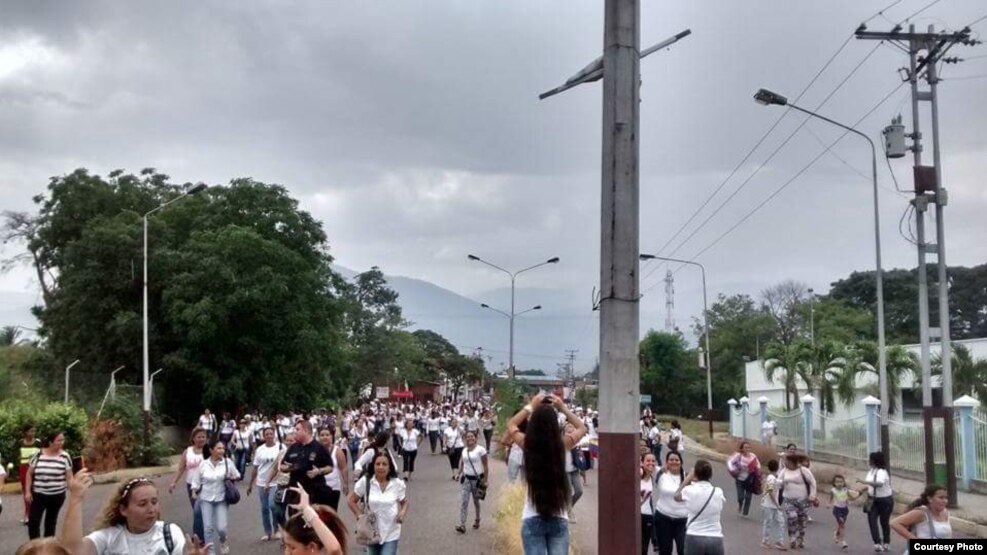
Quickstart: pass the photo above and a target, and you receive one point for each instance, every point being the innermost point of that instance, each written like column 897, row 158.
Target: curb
column 961, row 524
column 112, row 476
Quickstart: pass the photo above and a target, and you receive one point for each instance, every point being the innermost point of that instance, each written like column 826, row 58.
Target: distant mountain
column 541, row 337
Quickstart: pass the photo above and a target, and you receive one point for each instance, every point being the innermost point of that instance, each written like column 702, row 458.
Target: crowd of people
column 302, row 465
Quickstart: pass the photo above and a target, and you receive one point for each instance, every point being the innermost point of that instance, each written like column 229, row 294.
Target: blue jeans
column 214, row 518
column 242, row 460
column 267, row 517
column 197, row 528
column 389, row 548
column 545, row 536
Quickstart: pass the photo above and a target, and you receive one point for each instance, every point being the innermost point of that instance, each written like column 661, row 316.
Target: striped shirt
column 49, row 473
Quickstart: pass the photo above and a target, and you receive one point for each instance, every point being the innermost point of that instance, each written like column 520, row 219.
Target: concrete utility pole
column 619, row 272
column 928, row 188
column 669, row 302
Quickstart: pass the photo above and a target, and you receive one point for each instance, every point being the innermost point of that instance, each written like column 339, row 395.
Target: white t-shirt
column 472, row 461
column 207, row 422
column 879, row 475
column 433, row 424
column 443, row 423
column 770, row 485
column 665, row 503
column 647, row 503
column 708, row 522
column 409, row 439
column 454, row 437
column 264, row 459
column 118, row 541
column 193, row 461
column 386, row 504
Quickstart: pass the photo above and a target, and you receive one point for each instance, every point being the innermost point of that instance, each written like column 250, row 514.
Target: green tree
column 789, row 363
column 836, row 321
column 243, row 304
column 969, row 374
column 670, row 375
column 862, row 362
column 9, row 335
column 737, row 328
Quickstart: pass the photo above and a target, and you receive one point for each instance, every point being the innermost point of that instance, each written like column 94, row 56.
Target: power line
column 966, row 77
column 750, row 153
column 927, row 6
column 853, row 169
column 793, row 178
column 771, row 156
column 880, row 13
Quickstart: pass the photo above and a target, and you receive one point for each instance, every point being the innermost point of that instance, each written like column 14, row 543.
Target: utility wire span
column 850, row 166
column 792, row 179
column 747, row 156
column 770, row 157
column 927, row 6
column 881, row 12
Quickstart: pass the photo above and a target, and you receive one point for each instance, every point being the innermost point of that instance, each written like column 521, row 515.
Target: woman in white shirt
column 385, row 495
column 129, row 523
column 473, row 474
column 670, row 515
column 649, row 472
column 327, row 437
column 209, row 489
column 704, row 501
column 411, row 438
column 877, row 484
column 243, row 443
column 264, row 458
column 188, row 465
column 433, row 427
column 452, row 444
column 927, row 517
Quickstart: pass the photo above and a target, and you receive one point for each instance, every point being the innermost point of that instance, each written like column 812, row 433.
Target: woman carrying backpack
column 927, row 517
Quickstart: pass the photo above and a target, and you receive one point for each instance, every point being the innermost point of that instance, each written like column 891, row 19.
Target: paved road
column 429, row 528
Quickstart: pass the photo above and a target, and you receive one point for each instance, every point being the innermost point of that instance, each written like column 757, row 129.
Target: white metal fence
column 980, row 446
column 908, row 444
column 791, row 427
column 846, row 437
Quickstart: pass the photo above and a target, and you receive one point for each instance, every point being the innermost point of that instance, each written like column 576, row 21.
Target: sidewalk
column 969, row 518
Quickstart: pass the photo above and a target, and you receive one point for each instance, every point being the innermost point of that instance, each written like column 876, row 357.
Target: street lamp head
column 646, row 256
column 536, row 307
column 553, row 260
column 198, row 188
column 472, row 257
column 484, row 305
column 766, row 97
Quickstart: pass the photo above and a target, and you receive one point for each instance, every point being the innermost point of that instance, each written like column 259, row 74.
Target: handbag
column 232, row 493
column 367, row 531
column 579, row 460
column 708, row 499
column 480, row 489
column 868, row 504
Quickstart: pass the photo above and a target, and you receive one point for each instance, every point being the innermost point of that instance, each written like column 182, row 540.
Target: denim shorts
column 840, row 514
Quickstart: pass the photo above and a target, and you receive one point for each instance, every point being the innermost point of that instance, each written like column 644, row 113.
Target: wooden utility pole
column 619, row 281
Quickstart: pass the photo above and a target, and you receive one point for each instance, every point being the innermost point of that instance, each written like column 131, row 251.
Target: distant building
column 555, row 386
column 909, row 399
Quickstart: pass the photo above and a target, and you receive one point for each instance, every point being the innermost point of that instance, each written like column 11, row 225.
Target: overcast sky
column 413, row 131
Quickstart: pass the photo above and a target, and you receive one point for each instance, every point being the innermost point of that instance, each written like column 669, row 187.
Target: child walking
column 774, row 527
column 839, row 498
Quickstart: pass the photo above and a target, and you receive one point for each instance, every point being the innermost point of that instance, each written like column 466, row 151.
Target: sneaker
column 878, row 548
column 765, row 544
column 224, row 548
column 844, row 546
column 265, row 538
column 887, row 547
column 780, row 546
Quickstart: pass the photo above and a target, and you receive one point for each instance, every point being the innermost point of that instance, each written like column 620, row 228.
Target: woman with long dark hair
column 545, row 518
column 314, row 529
column 927, row 517
column 877, row 484
column 209, row 490
column 649, row 472
column 188, row 465
column 744, row 466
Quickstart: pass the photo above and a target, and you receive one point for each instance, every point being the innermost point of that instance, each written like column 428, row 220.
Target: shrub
column 47, row 418
column 117, row 437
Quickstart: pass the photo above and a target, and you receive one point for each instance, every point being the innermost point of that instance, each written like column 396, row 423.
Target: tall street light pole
column 812, row 317
column 512, row 315
column 767, row 98
column 708, row 355
column 146, row 348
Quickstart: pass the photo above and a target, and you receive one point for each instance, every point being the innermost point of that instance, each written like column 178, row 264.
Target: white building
column 910, row 397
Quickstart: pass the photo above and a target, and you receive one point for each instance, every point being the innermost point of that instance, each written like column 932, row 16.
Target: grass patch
column 697, row 430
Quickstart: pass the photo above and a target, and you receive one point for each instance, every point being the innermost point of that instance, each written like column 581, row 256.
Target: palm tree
column 862, row 360
column 969, row 375
column 788, row 360
column 9, row 335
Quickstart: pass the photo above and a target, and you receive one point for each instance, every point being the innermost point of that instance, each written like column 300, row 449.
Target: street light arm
column 527, row 311
column 495, row 310
column 679, row 260
column 496, row 267
column 838, row 124
column 540, row 264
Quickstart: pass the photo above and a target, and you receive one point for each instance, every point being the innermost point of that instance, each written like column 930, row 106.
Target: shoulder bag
column 367, row 531
column 703, row 508
column 480, row 489
column 232, row 493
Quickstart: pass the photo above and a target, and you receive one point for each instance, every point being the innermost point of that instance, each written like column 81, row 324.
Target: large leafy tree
column 244, row 308
column 841, row 323
column 969, row 374
column 738, row 327
column 862, row 362
column 669, row 373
